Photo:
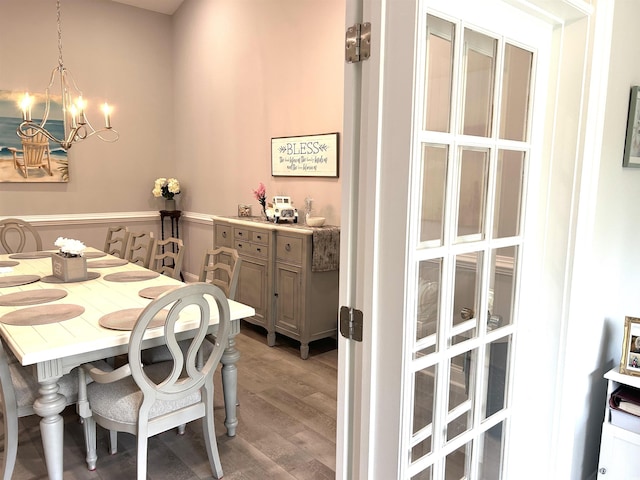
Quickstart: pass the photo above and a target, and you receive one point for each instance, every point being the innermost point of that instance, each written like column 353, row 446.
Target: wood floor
column 287, row 425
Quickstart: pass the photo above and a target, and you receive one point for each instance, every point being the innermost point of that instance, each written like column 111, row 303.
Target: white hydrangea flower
column 70, row 247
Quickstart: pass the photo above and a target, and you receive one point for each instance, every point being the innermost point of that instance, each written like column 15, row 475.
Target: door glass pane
column 439, row 74
column 429, row 279
column 423, row 475
column 457, row 463
column 472, row 192
column 424, row 398
column 466, row 300
column 516, row 83
column 509, row 179
column 502, row 287
column 495, row 366
column 460, row 381
column 434, row 180
column 490, row 467
column 479, row 80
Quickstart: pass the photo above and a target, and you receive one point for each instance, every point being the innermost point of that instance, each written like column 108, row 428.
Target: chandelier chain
column 60, row 62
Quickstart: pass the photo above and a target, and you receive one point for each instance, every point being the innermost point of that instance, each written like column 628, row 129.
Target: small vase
column 170, row 204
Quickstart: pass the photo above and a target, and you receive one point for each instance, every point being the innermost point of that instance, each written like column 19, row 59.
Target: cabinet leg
column 304, row 351
column 271, row 338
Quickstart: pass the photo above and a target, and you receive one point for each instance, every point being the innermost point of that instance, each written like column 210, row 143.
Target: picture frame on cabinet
column 630, row 361
column 632, row 142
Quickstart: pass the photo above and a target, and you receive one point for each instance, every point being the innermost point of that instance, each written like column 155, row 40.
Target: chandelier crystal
column 76, row 126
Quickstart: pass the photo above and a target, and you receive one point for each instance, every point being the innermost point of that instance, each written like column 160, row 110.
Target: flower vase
column 170, row 204
column 68, row 269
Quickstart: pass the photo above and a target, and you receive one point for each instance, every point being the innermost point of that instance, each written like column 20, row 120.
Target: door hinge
column 351, row 323
column 358, row 42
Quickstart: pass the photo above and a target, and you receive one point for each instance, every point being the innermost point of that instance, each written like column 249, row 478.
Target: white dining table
column 54, row 349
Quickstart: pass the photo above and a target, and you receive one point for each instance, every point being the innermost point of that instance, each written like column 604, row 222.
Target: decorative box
column 69, row 269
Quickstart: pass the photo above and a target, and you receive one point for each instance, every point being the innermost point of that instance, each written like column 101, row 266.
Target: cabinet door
column 619, row 457
column 289, row 299
column 252, row 288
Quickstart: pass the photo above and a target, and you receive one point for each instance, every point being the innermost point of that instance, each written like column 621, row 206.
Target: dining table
column 52, row 326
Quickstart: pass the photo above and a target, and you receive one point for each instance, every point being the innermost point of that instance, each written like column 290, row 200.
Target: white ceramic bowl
column 315, row 221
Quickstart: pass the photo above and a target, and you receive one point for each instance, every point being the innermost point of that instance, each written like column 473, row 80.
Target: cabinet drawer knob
column 224, row 234
column 239, row 234
column 287, row 247
column 239, row 245
column 258, row 249
column 259, row 237
column 603, row 471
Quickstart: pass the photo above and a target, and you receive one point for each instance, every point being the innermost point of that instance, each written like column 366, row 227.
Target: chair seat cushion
column 26, row 385
column 120, row 401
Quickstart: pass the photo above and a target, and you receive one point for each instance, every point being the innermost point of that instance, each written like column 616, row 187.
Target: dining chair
column 18, row 392
column 16, row 234
column 116, row 240
column 167, row 257
column 140, row 248
column 221, row 267
column 35, row 153
column 147, row 400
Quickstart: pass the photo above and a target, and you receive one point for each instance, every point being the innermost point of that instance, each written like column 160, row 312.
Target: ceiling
column 167, row 7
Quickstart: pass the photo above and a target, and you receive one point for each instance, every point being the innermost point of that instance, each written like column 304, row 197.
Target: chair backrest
column 14, row 235
column 187, row 374
column 221, row 267
column 34, row 149
column 116, row 241
column 140, row 248
column 167, row 257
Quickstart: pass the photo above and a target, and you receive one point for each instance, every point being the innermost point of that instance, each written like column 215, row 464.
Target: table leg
column 49, row 405
column 230, row 384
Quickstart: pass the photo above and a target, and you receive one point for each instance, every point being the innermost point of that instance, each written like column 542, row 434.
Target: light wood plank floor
column 287, row 428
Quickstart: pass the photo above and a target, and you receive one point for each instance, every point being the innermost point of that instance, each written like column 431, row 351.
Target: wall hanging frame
column 630, row 361
column 305, row 156
column 632, row 142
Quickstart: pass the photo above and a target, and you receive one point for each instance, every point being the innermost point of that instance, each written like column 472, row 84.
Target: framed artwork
column 630, row 361
column 632, row 141
column 53, row 165
column 305, row 156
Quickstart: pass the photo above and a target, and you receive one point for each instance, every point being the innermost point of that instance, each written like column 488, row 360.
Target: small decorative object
column 69, row 263
column 281, row 209
column 314, row 221
column 244, row 210
column 632, row 144
column 261, row 195
column 630, row 361
column 167, row 188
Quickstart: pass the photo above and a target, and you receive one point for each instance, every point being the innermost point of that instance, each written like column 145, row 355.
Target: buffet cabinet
column 278, row 280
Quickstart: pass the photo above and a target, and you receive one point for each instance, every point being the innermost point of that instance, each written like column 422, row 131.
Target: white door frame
column 368, row 411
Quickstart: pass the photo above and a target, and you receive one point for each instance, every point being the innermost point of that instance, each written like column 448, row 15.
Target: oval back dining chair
column 116, row 241
column 221, row 267
column 147, row 400
column 140, row 248
column 16, row 234
column 167, row 257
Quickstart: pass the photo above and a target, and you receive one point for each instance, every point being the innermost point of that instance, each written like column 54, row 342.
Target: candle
column 106, row 109
column 25, row 104
column 81, row 104
column 74, row 113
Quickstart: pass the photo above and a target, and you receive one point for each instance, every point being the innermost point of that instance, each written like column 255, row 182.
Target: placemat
column 155, row 292
column 94, row 254
column 127, row 318
column 53, row 279
column 42, row 315
column 109, row 262
column 15, row 280
column 32, row 297
column 26, row 255
column 131, row 276
column 8, row 263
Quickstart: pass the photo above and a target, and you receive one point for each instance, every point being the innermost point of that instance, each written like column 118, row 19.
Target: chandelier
column 76, row 126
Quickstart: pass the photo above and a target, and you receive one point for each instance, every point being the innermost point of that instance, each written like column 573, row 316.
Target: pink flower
column 261, row 194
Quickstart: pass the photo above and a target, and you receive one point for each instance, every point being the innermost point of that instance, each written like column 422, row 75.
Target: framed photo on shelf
column 305, row 156
column 632, row 142
column 630, row 361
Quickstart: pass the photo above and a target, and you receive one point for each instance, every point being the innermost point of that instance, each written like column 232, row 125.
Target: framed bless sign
column 305, row 156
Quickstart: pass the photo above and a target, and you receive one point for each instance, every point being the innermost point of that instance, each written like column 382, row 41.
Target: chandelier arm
column 33, row 130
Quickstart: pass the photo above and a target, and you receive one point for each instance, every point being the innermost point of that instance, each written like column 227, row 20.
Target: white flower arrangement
column 166, row 187
column 69, row 247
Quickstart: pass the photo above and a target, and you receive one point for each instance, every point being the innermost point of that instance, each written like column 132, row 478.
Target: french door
column 447, row 136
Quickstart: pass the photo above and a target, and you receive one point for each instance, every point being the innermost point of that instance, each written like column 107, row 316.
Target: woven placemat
column 155, row 292
column 42, row 315
column 15, row 280
column 127, row 318
column 53, row 279
column 8, row 263
column 32, row 297
column 94, row 254
column 31, row 255
column 106, row 263
column 131, row 276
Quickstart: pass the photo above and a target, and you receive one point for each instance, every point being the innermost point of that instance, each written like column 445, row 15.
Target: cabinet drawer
column 241, row 234
column 289, row 249
column 252, row 249
column 224, row 236
column 258, row 236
